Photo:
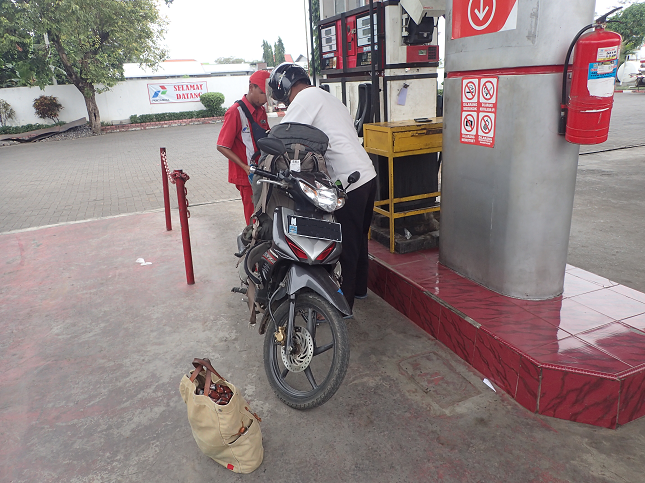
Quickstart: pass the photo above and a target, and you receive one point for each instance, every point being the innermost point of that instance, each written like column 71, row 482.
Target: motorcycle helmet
column 283, row 78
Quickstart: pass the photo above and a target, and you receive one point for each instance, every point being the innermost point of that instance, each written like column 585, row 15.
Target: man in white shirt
column 289, row 83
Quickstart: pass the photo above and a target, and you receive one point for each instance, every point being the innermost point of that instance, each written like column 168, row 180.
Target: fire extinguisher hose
column 562, row 128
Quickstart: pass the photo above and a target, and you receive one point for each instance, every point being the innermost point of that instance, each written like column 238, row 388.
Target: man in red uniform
column 236, row 140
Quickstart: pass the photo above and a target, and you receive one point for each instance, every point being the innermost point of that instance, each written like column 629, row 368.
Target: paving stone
column 75, row 179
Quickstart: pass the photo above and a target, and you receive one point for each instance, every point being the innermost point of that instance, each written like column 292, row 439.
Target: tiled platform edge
column 579, row 357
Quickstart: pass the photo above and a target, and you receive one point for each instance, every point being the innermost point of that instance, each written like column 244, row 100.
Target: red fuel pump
column 585, row 117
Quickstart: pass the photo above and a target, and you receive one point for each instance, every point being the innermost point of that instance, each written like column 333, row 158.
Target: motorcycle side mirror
column 353, row 178
column 272, row 146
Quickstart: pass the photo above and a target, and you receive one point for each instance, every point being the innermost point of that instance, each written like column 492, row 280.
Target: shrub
column 25, row 128
column 169, row 116
column 6, row 112
column 47, row 107
column 213, row 102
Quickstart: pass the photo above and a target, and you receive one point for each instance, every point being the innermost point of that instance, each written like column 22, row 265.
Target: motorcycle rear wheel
column 302, row 387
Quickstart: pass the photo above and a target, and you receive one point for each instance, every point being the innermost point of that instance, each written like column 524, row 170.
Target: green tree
column 267, row 54
column 229, row 60
column 16, row 50
column 278, row 51
column 631, row 27
column 92, row 40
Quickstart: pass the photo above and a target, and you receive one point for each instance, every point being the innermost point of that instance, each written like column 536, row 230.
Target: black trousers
column 355, row 219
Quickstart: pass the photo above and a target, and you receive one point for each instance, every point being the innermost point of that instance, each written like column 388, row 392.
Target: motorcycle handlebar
column 264, row 174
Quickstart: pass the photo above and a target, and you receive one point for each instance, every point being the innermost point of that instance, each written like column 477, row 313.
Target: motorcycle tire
column 302, row 390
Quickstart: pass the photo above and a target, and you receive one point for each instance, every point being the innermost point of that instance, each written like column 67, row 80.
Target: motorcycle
column 292, row 279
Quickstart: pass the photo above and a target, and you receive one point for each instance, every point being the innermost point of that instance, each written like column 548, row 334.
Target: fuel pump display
column 404, row 50
column 330, row 46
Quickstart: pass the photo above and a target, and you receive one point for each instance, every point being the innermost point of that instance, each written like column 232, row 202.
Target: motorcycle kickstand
column 291, row 322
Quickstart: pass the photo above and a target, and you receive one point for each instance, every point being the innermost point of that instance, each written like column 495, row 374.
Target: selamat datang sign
column 176, row 92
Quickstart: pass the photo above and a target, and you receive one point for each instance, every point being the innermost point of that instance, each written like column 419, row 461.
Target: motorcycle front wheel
column 311, row 373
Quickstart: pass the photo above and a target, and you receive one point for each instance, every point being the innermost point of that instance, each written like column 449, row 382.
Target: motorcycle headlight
column 324, row 198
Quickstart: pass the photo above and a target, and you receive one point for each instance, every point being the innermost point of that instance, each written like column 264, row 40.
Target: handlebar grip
column 265, row 174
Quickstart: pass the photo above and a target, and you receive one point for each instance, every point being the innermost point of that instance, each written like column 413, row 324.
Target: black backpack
column 303, row 142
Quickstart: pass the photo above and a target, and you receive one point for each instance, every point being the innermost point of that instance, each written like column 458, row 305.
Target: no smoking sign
column 478, row 17
column 470, row 91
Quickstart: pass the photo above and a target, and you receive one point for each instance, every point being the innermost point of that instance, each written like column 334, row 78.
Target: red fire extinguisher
column 584, row 119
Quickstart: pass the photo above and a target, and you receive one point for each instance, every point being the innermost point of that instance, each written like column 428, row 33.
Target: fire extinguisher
column 584, row 119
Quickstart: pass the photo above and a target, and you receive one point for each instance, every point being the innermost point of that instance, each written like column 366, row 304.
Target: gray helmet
column 283, row 78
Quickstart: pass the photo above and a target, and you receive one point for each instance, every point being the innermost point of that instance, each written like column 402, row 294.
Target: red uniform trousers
column 247, row 199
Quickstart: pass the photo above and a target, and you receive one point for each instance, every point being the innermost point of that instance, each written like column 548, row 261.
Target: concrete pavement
column 93, row 346
column 116, row 173
column 54, row 182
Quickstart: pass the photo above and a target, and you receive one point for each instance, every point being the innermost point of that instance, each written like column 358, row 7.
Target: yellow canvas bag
column 229, row 434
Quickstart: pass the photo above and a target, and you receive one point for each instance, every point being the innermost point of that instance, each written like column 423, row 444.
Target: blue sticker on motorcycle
column 293, row 230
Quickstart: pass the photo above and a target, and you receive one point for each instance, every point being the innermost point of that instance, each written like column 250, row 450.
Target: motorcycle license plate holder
column 313, row 228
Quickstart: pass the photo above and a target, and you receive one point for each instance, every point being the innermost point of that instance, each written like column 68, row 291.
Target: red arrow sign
column 478, row 17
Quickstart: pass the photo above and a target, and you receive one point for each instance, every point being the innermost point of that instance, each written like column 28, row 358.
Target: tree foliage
column 267, row 54
column 631, row 27
column 16, row 50
column 229, row 60
column 278, row 52
column 90, row 39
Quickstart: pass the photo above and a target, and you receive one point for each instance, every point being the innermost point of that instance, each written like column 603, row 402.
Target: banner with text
column 176, row 92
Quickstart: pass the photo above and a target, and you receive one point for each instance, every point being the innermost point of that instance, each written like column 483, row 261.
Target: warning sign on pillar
column 478, row 110
column 468, row 127
column 486, row 129
column 479, row 17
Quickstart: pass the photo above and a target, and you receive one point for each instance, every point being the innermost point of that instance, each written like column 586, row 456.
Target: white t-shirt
column 345, row 154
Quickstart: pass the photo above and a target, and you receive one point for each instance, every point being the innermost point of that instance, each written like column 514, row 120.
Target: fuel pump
column 584, row 119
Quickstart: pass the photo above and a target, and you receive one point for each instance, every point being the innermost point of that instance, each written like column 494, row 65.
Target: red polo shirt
column 230, row 137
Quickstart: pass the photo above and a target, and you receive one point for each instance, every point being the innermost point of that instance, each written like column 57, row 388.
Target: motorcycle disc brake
column 303, row 345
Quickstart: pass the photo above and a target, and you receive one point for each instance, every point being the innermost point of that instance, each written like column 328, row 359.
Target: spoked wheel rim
column 310, row 322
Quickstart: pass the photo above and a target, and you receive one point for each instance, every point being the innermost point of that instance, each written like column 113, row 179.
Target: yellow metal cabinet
column 398, row 139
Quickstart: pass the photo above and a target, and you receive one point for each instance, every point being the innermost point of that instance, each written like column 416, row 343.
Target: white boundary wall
column 120, row 102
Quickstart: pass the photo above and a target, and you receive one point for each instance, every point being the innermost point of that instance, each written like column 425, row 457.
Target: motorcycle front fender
column 320, row 281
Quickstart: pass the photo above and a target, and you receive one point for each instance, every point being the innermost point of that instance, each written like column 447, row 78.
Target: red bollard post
column 180, row 180
column 165, row 172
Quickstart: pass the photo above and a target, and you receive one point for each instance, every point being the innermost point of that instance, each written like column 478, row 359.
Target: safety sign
column 478, row 17
column 478, row 110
